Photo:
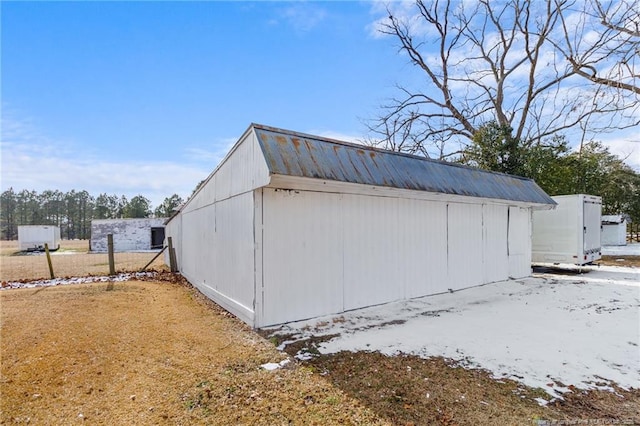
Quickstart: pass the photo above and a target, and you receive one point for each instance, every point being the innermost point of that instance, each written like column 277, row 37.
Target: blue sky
column 146, row 97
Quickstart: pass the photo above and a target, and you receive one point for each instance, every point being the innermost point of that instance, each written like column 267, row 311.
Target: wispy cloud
column 345, row 137
column 31, row 160
column 211, row 156
column 301, row 16
column 626, row 148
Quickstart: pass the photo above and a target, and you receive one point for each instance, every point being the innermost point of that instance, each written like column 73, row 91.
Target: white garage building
column 292, row 226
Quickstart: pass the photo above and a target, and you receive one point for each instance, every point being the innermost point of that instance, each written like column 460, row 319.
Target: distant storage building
column 569, row 234
column 34, row 237
column 614, row 230
column 292, row 226
column 128, row 234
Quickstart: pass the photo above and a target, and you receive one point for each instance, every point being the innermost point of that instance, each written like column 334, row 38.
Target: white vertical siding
column 371, row 251
column 214, row 232
column 422, row 247
column 233, row 245
column 519, row 242
column 325, row 253
column 302, row 255
column 242, row 171
column 494, row 252
column 218, row 253
column 465, row 245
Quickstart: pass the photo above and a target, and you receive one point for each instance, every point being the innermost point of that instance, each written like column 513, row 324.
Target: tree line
column 557, row 169
column 73, row 211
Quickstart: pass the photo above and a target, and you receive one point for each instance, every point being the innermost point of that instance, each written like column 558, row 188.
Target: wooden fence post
column 46, row 250
column 112, row 262
column 172, row 255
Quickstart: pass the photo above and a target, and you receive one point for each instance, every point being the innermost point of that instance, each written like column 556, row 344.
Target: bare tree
column 539, row 67
column 609, row 55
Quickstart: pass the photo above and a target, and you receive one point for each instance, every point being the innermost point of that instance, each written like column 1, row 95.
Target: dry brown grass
column 73, row 259
column 408, row 390
column 149, row 353
column 633, row 261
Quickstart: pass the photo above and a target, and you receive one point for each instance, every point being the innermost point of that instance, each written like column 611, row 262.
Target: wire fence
column 633, row 232
column 72, row 259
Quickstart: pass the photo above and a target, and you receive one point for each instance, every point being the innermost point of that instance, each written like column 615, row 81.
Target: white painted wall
column 243, row 170
column 217, row 253
column 519, row 242
column 614, row 230
column 424, row 229
column 464, row 249
column 495, row 227
column 214, row 232
column 326, row 253
column 302, row 266
column 128, row 234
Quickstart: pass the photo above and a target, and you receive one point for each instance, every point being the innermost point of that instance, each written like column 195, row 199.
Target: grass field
column 150, row 353
column 71, row 260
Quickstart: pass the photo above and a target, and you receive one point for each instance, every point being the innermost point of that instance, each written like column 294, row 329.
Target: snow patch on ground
column 548, row 331
column 76, row 280
column 270, row 366
column 631, row 249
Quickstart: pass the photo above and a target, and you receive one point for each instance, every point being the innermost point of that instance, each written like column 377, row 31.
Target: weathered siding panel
column 495, row 255
column 519, row 242
column 302, row 264
column 233, row 262
column 422, row 246
column 465, row 245
column 371, row 256
column 128, row 234
column 242, row 171
column 217, row 253
column 325, row 253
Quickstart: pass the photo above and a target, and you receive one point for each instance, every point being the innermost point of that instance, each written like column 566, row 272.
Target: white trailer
column 569, row 234
column 34, row 237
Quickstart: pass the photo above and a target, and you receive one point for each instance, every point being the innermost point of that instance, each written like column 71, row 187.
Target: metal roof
column 296, row 154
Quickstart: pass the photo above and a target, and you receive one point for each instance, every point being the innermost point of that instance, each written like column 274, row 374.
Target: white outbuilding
column 129, row 235
column 614, row 230
column 34, row 237
column 292, row 226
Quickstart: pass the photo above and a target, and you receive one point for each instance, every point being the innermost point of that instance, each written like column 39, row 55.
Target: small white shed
column 614, row 230
column 292, row 226
column 139, row 234
column 34, row 237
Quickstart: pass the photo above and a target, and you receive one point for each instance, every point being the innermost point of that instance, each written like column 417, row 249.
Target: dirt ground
column 160, row 352
column 150, row 353
column 73, row 259
column 633, row 261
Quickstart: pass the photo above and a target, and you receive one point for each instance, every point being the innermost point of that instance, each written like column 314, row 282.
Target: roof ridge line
column 382, row 150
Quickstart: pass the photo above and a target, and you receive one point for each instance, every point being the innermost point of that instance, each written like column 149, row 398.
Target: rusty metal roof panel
column 296, row 154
